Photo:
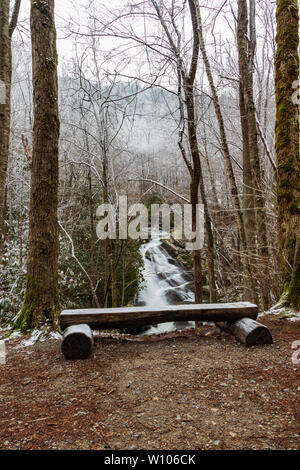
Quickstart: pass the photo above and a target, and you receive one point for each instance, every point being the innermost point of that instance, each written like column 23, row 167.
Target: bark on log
column 249, row 332
column 77, row 342
column 119, row 318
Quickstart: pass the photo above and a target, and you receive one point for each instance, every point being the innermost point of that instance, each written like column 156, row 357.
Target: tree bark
column 197, row 173
column 5, row 82
column 254, row 201
column 287, row 148
column 197, row 253
column 7, row 28
column 41, row 300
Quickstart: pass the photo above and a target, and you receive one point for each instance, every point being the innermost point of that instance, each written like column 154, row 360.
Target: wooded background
column 156, row 98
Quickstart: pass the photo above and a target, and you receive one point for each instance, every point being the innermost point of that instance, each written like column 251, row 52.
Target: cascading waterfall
column 165, row 283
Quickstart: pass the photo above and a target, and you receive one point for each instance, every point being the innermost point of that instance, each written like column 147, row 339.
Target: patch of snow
column 55, row 335
column 272, row 311
column 291, row 314
column 295, row 318
column 32, row 340
column 15, row 334
column 101, row 333
column 277, row 311
column 37, row 335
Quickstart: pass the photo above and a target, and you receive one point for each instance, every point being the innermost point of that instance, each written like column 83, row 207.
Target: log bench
column 238, row 319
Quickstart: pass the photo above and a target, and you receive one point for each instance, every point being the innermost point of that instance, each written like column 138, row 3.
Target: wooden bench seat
column 125, row 317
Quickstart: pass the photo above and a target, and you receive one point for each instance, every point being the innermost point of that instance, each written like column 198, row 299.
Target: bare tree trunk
column 246, row 49
column 260, row 203
column 197, row 182
column 6, row 31
column 210, row 173
column 287, row 148
column 92, row 226
column 194, row 188
column 41, row 301
column 249, row 214
column 248, row 197
column 226, row 153
column 197, row 173
column 106, row 241
column 186, row 85
column 114, row 300
column 5, row 73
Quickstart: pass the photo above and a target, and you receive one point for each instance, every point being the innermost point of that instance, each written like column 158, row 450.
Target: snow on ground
column 38, row 336
column 283, row 312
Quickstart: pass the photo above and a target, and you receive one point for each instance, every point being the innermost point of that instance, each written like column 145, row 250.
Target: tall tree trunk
column 210, row 173
column 252, row 171
column 227, row 156
column 5, row 79
column 7, row 28
column 196, row 183
column 287, row 148
column 41, row 301
column 92, row 228
column 248, row 196
column 186, row 87
column 194, row 197
column 249, row 214
column 197, row 173
column 114, row 299
column 106, row 241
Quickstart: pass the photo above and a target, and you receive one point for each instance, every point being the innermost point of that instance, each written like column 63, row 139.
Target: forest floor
column 189, row 390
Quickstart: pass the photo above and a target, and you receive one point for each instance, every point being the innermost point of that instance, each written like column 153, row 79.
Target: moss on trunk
column 36, row 314
column 41, row 300
column 287, row 148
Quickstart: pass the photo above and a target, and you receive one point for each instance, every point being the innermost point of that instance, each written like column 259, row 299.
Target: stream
column 165, row 283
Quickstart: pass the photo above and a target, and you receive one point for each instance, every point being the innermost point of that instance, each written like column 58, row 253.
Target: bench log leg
column 249, row 332
column 77, row 342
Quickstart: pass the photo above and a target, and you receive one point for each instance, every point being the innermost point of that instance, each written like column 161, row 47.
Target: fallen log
column 77, row 342
column 128, row 317
column 248, row 331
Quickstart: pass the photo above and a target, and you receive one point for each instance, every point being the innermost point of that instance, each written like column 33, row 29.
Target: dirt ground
column 196, row 390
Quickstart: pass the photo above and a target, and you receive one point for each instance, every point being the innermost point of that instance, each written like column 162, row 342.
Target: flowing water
column 165, row 283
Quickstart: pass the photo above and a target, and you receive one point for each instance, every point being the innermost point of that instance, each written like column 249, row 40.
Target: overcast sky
column 66, row 11
column 75, row 10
